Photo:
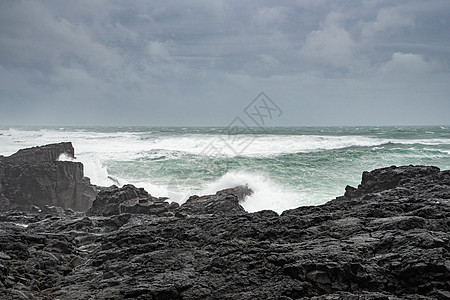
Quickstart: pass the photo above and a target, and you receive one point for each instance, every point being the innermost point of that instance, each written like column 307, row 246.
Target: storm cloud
column 201, row 62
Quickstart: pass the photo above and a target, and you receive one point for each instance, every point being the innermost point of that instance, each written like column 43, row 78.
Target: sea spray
column 93, row 169
column 266, row 193
column 285, row 166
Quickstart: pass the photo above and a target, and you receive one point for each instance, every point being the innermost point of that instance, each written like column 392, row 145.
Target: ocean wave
column 267, row 194
column 259, row 146
column 286, row 169
column 130, row 145
column 262, row 146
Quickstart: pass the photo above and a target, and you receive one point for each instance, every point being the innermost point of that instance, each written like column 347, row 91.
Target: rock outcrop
column 128, row 199
column 387, row 239
column 46, row 153
column 223, row 202
column 35, row 177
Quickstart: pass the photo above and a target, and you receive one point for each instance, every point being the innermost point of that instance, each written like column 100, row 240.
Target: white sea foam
column 159, row 190
column 94, row 169
column 421, row 141
column 65, row 157
column 97, row 150
column 130, row 145
column 266, row 193
column 252, row 146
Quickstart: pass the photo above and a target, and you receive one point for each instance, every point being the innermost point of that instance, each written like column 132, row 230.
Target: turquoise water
column 285, row 166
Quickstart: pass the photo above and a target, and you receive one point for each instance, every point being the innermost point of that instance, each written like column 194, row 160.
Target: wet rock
column 387, row 239
column 388, row 178
column 130, row 199
column 223, row 202
column 47, row 153
column 33, row 178
column 127, row 199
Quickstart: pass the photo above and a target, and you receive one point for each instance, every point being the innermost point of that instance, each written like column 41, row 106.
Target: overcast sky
column 323, row 62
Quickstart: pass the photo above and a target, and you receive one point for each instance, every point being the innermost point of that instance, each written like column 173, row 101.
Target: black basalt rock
column 388, row 178
column 35, row 177
column 387, row 239
column 46, row 153
column 128, row 199
column 223, row 202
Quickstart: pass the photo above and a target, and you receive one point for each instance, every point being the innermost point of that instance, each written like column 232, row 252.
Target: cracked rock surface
column 389, row 238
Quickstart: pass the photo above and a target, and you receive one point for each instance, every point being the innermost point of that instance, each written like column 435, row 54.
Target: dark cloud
column 178, row 63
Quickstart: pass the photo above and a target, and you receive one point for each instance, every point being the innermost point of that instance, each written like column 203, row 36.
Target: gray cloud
column 178, row 63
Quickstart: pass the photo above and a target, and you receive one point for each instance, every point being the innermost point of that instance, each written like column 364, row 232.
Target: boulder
column 127, row 199
column 223, row 202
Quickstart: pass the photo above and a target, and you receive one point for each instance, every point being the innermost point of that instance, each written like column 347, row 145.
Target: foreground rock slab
column 389, row 238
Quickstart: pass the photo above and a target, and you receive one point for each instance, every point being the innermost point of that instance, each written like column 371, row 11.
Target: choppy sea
column 286, row 167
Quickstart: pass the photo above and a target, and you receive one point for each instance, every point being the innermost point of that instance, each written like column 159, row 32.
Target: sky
column 201, row 63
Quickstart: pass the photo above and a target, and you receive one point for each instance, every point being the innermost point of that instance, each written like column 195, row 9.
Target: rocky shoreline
column 389, row 238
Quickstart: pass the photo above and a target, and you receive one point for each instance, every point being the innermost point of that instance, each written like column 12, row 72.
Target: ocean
column 286, row 167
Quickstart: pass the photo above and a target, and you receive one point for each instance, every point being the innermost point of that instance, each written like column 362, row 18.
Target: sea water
column 286, row 167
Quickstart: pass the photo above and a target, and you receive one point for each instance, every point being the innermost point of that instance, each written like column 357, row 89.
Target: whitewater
column 286, row 167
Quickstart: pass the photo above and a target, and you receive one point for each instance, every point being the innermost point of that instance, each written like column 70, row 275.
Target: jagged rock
column 388, row 178
column 223, row 202
column 48, row 153
column 387, row 239
column 34, row 177
column 128, row 199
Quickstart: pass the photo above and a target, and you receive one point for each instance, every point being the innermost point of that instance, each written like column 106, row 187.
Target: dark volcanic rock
column 387, row 239
column 128, row 199
column 223, row 202
column 48, row 153
column 34, row 177
column 388, row 178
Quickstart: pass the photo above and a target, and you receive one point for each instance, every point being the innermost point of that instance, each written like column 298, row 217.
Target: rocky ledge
column 386, row 239
column 34, row 179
